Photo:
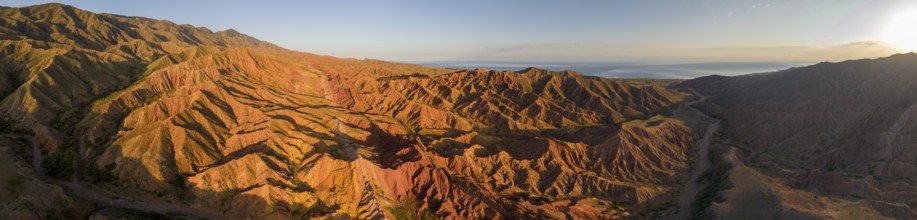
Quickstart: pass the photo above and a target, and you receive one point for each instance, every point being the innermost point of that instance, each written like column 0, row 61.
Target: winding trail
column 688, row 194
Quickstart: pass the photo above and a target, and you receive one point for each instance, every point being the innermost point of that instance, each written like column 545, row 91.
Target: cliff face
column 843, row 130
column 225, row 123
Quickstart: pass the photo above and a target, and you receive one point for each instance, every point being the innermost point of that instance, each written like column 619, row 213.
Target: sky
column 675, row 31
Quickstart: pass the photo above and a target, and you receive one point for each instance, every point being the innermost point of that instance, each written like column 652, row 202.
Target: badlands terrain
column 108, row 116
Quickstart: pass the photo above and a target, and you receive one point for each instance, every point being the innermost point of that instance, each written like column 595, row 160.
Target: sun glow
column 901, row 31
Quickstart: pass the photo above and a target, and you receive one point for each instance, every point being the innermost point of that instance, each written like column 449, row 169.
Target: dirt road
column 688, row 194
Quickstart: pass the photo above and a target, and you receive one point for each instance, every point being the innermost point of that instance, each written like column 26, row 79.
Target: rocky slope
column 227, row 124
column 840, row 132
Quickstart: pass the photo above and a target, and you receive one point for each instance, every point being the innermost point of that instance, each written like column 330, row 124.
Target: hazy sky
column 530, row 30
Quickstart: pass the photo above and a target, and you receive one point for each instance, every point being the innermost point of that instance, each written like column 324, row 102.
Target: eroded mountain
column 222, row 124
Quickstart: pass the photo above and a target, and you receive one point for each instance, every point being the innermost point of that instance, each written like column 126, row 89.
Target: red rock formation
column 239, row 127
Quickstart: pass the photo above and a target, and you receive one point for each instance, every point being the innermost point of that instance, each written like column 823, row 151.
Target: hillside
column 107, row 107
column 842, row 133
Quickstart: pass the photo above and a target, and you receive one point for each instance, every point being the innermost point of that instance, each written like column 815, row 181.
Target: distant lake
column 632, row 70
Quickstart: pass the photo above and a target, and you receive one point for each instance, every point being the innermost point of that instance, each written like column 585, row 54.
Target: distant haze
column 633, row 70
column 677, row 31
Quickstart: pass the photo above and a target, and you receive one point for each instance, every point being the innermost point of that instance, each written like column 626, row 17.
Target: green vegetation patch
column 408, row 211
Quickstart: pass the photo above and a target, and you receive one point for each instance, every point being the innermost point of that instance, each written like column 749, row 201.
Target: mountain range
column 106, row 116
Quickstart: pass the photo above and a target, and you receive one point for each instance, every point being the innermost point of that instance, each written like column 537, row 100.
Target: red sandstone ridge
column 224, row 124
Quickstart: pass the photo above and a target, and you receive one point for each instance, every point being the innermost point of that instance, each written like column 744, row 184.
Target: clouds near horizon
column 543, row 30
column 586, row 52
